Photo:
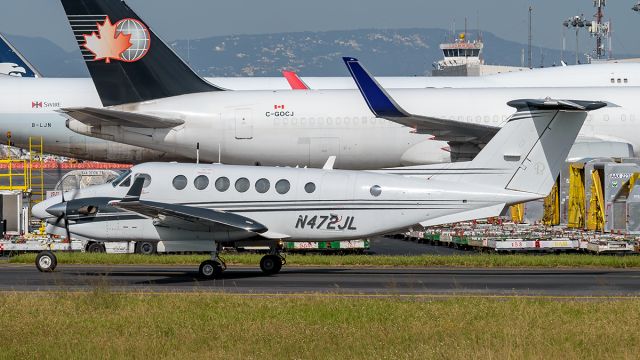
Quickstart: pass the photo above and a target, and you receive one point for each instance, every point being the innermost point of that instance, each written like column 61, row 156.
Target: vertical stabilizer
column 127, row 61
column 526, row 155
column 13, row 63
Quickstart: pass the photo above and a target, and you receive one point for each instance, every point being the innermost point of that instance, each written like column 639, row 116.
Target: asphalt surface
column 390, row 246
column 328, row 280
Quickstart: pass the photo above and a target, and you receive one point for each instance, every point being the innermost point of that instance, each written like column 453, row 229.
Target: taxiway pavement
column 329, row 280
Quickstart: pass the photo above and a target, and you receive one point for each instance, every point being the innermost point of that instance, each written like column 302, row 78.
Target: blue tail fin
column 12, row 63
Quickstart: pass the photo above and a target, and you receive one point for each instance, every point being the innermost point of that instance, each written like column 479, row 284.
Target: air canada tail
column 13, row 63
column 526, row 155
column 127, row 61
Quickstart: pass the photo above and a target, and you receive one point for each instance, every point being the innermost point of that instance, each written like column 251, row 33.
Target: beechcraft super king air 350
column 234, row 204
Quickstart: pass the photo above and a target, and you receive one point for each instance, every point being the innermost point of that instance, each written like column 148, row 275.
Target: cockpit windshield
column 122, row 176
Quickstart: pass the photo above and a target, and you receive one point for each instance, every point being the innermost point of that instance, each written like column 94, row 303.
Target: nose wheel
column 46, row 261
column 271, row 264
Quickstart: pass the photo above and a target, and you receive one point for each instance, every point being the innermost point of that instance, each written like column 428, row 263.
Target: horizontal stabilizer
column 106, row 117
column 383, row 106
column 550, row 104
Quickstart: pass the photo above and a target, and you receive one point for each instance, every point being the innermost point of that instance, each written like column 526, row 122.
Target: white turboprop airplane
column 231, row 204
column 153, row 100
column 266, row 127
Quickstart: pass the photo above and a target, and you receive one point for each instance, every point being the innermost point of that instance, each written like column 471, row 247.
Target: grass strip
column 471, row 260
column 197, row 326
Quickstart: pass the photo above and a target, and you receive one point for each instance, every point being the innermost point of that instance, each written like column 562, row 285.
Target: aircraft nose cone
column 57, row 210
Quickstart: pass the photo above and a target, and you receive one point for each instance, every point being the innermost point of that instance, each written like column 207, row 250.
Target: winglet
column 134, row 191
column 294, row 80
column 380, row 103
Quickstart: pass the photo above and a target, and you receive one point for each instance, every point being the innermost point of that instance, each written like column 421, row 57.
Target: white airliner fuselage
column 312, row 125
column 334, row 123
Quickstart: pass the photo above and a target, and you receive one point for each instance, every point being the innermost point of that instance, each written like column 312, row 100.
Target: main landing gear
column 270, row 264
column 211, row 269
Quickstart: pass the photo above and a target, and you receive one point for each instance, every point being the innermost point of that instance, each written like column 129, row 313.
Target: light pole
column 576, row 22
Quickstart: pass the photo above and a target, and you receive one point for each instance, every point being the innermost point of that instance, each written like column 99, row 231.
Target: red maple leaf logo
column 107, row 44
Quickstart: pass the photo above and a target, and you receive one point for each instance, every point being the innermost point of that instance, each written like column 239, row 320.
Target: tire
column 95, row 247
column 271, row 264
column 146, row 248
column 210, row 269
column 46, row 261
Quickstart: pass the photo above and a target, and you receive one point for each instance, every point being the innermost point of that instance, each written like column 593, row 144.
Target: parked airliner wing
column 185, row 217
column 96, row 116
column 383, row 106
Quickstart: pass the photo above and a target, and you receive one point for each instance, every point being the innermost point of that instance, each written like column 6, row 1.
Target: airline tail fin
column 13, row 63
column 294, row 80
column 127, row 61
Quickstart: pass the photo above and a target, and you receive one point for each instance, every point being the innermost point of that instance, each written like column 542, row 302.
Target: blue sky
column 190, row 19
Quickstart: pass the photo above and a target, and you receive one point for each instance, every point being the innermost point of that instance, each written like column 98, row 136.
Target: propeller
column 60, row 211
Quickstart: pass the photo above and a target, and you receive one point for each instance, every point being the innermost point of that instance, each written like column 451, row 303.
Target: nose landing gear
column 46, row 261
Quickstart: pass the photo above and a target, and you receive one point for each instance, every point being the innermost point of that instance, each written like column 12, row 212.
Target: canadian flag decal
column 278, row 107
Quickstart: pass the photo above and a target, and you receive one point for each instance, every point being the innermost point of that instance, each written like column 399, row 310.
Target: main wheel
column 210, row 269
column 95, row 247
column 271, row 264
column 46, row 261
column 146, row 248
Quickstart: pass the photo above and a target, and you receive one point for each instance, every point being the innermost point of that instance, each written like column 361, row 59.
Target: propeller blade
column 66, row 228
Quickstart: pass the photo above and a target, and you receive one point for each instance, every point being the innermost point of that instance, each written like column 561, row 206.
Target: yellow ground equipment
column 552, row 207
column 595, row 215
column 517, row 213
column 36, row 169
column 576, row 200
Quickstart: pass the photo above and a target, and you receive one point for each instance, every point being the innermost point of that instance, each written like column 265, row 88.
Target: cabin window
column 262, row 185
column 201, row 182
column 242, row 185
column 222, row 184
column 626, row 81
column 179, row 182
column 147, row 179
column 613, row 81
column 283, row 186
column 118, row 179
column 126, row 182
column 619, row 81
column 310, row 187
column 375, row 190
